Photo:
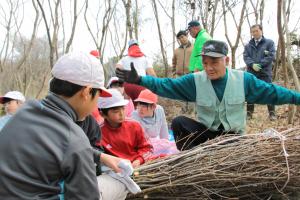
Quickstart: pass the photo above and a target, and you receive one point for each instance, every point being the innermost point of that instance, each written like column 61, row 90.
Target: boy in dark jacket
column 53, row 158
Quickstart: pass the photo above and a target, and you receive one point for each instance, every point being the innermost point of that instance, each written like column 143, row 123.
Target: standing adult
column 181, row 63
column 201, row 36
column 181, row 57
column 259, row 54
column 12, row 101
column 53, row 158
column 220, row 94
column 142, row 64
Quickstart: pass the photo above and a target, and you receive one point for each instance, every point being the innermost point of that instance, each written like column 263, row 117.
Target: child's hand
column 111, row 162
column 136, row 163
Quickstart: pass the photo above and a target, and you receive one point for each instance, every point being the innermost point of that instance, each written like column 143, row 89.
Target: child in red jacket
column 122, row 137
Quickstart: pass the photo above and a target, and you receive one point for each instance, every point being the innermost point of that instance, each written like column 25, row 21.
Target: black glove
column 128, row 76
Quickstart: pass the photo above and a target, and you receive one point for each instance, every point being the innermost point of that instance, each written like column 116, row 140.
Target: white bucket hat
column 115, row 100
column 15, row 95
column 82, row 69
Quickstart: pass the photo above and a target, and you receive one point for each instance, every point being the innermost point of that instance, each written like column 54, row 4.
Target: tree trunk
column 127, row 6
column 136, row 20
column 173, row 26
column 165, row 61
column 234, row 46
column 292, row 108
column 70, row 41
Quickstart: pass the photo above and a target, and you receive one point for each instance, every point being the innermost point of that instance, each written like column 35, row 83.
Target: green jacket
column 195, row 59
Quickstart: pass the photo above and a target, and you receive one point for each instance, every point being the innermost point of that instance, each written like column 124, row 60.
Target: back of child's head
column 74, row 71
column 114, row 82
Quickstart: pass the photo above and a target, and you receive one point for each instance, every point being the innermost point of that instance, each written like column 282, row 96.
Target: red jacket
column 127, row 141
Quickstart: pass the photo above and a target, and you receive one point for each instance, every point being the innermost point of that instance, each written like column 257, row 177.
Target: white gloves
column 256, row 67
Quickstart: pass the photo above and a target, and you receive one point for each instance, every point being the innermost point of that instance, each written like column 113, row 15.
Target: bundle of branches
column 235, row 167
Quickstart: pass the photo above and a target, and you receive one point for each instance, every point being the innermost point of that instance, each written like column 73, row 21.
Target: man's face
column 215, row 68
column 12, row 106
column 256, row 32
column 115, row 116
column 183, row 39
column 194, row 30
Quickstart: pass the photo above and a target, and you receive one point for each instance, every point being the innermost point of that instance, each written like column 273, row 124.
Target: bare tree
column 163, row 52
column 99, row 35
column 7, row 22
column 226, row 6
column 33, row 35
column 75, row 16
column 289, row 57
column 172, row 19
column 127, row 6
column 136, row 20
column 281, row 41
column 51, row 40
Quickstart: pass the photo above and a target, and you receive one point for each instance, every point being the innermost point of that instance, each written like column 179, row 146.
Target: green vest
column 230, row 111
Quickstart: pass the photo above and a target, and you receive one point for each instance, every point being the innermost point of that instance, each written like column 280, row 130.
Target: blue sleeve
column 182, row 88
column 260, row 92
column 247, row 56
column 269, row 54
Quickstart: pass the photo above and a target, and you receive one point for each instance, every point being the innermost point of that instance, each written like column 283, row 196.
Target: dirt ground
column 259, row 122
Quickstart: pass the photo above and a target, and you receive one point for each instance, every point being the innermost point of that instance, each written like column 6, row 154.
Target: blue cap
column 132, row 42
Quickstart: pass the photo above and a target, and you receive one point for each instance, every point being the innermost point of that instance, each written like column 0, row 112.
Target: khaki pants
column 110, row 188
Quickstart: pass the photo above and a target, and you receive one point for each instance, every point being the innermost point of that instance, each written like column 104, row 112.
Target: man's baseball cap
column 81, row 69
column 214, row 48
column 15, row 95
column 192, row 24
column 147, row 96
column 116, row 99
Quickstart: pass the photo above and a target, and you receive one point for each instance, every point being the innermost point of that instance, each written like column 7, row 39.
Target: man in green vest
column 220, row 94
column 201, row 36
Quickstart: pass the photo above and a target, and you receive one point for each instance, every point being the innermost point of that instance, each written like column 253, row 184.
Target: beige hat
column 82, row 69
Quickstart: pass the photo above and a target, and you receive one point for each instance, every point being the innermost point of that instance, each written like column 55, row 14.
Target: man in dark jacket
column 259, row 54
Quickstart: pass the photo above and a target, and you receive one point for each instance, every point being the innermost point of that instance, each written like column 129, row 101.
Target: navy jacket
column 263, row 54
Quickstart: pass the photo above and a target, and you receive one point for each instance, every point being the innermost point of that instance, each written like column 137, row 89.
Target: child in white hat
column 12, row 101
column 122, row 137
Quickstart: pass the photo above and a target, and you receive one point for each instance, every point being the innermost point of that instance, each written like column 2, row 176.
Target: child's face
column 115, row 116
column 12, row 106
column 145, row 110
